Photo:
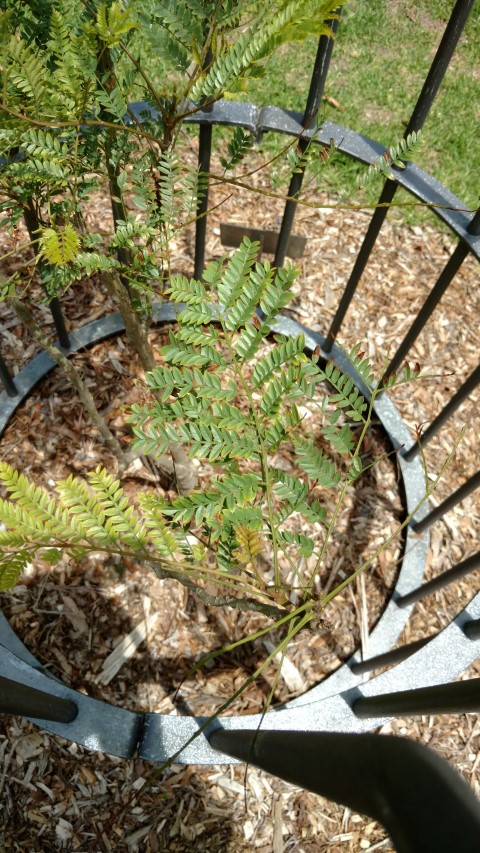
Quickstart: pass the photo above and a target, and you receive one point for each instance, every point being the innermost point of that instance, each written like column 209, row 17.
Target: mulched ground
column 56, row 795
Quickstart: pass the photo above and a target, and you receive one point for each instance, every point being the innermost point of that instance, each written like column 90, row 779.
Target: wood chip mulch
column 116, row 633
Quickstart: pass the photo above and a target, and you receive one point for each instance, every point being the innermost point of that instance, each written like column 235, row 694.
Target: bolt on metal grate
column 421, row 674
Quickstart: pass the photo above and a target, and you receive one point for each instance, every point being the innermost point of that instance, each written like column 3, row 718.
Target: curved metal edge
column 158, row 737
column 382, row 638
column 42, row 364
column 433, row 664
column 258, row 120
column 84, row 337
column 393, row 619
column 97, row 726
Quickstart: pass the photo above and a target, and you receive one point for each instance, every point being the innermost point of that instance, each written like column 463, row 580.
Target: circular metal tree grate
column 420, row 674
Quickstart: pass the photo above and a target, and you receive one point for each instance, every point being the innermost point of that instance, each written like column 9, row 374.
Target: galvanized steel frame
column 344, row 702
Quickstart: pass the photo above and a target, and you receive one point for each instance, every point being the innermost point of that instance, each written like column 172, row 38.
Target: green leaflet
column 249, row 340
column 83, row 506
column 45, row 146
column 278, row 292
column 121, row 516
column 234, row 278
column 292, row 382
column 12, row 567
column 293, row 496
column 304, row 544
column 187, row 380
column 164, row 541
column 34, row 513
column 397, row 155
column 181, row 289
column 286, row 350
column 316, row 464
column 348, row 396
column 229, row 492
column 362, row 365
column 290, row 489
column 238, row 147
column 192, row 353
column 341, row 438
column 213, row 443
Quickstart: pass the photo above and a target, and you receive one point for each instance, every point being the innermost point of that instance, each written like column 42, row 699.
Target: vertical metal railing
column 423, row 804
column 449, row 271
column 7, row 379
column 59, row 320
column 314, row 99
column 204, row 157
column 448, row 410
column 32, row 224
column 435, row 76
column 456, row 573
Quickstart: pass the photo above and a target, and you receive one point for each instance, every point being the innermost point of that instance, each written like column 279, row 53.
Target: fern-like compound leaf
column 180, row 289
column 249, row 544
column 238, row 147
column 232, row 282
column 59, row 246
column 160, row 536
column 341, row 438
column 316, row 464
column 286, row 350
column 12, row 566
column 278, row 292
column 82, row 505
column 33, row 513
column 305, row 545
column 122, row 518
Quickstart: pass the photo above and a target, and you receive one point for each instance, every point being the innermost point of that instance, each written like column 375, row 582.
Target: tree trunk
column 180, row 466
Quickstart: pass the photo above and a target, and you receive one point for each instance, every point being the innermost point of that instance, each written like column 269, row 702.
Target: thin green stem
column 341, row 498
column 263, row 456
column 428, row 492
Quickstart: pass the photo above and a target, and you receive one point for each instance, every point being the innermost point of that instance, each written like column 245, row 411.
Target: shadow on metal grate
column 344, row 702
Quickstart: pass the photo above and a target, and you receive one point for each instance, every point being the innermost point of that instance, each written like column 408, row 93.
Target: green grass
column 381, row 57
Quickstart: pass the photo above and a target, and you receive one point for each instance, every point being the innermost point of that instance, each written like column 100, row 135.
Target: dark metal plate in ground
column 232, row 235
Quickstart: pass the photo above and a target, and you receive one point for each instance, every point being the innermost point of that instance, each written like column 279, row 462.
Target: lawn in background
column 383, row 51
column 382, row 55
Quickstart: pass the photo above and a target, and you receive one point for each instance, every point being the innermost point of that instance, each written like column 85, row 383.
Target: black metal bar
column 314, row 98
column 472, row 629
column 451, row 268
column 33, row 225
column 394, row 656
column 420, row 112
column 204, row 155
column 27, row 701
column 453, row 404
column 461, row 493
column 443, row 580
column 423, row 804
column 458, row 697
column 6, row 378
column 59, row 320
column 439, row 66
column 373, row 231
